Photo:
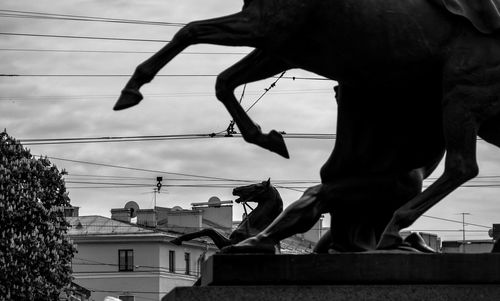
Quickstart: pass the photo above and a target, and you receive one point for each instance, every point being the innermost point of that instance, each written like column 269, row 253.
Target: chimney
column 70, row 211
column 121, row 214
column 146, row 217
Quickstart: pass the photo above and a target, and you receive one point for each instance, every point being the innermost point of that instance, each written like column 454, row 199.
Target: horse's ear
column 268, row 182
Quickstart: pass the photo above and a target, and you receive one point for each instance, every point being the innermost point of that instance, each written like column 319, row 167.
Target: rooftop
column 95, row 224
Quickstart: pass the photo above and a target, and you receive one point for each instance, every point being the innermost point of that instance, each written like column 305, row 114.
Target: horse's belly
column 378, row 71
column 370, row 40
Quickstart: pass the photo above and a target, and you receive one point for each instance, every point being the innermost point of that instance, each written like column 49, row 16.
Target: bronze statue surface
column 373, row 170
column 364, row 44
column 483, row 14
column 269, row 206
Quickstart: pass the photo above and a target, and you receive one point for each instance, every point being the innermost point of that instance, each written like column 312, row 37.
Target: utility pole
column 463, row 229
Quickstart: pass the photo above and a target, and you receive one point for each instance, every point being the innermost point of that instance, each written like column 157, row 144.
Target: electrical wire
column 73, row 140
column 115, row 51
column 143, row 169
column 448, row 230
column 166, row 95
column 145, row 138
column 103, row 75
column 82, row 37
column 115, row 177
column 158, row 75
column 456, row 221
column 265, row 91
column 70, row 140
column 158, row 172
column 67, row 17
column 86, row 176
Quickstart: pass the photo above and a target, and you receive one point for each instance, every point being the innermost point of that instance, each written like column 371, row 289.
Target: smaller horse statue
column 269, row 206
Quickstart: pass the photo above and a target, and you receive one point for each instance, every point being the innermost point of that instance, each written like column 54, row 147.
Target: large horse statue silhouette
column 364, row 44
column 269, row 206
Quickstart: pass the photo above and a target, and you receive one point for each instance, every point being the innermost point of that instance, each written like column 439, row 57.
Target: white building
column 136, row 261
column 131, row 262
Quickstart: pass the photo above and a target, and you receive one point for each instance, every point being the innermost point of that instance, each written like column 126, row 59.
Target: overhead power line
column 273, row 84
column 171, row 179
column 448, row 230
column 114, row 51
column 82, row 37
column 72, row 175
column 161, row 172
column 132, row 185
column 67, row 17
column 158, row 75
column 144, row 169
column 456, row 221
column 91, row 97
column 103, row 75
column 144, row 138
column 74, row 140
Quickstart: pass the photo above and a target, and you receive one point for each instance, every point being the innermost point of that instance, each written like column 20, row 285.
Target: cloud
column 55, row 107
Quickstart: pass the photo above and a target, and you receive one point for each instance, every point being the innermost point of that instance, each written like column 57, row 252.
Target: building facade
column 467, row 246
column 129, row 256
column 131, row 262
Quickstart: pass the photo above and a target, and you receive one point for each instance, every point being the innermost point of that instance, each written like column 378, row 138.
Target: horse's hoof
column 416, row 241
column 277, row 144
column 128, row 98
column 389, row 242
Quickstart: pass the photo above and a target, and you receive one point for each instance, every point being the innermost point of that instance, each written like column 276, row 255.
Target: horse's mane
column 263, row 214
column 276, row 206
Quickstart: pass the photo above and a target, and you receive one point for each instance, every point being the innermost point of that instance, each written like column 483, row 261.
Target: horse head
column 269, row 206
column 253, row 192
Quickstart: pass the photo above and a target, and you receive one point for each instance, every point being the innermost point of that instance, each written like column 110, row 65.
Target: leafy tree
column 35, row 252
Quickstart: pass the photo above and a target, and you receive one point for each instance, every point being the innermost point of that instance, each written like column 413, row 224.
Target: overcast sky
column 47, row 106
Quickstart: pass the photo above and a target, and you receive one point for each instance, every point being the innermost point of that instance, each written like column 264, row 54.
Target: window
column 125, row 260
column 187, row 259
column 127, row 298
column 171, row 261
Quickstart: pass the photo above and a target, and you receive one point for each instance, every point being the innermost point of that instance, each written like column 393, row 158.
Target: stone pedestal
column 347, row 277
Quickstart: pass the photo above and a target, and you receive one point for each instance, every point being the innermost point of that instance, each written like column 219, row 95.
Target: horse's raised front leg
column 460, row 126
column 232, row 30
column 255, row 66
column 219, row 240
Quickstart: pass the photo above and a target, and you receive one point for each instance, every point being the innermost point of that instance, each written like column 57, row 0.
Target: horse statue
column 373, row 170
column 269, row 206
column 365, row 44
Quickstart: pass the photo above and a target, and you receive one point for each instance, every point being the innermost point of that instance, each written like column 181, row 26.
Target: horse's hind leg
column 255, row 66
column 219, row 240
column 233, row 30
column 460, row 125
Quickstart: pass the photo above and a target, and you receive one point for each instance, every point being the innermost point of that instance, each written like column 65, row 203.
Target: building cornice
column 158, row 237
column 139, row 274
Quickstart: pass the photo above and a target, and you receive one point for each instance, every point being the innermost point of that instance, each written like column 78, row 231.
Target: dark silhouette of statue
column 496, row 247
column 369, row 45
column 269, row 206
column 374, row 169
